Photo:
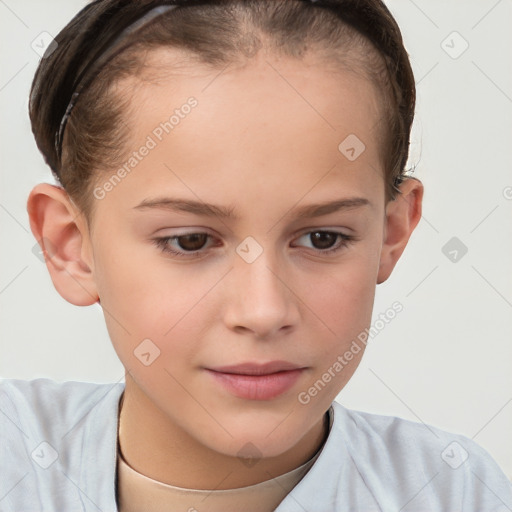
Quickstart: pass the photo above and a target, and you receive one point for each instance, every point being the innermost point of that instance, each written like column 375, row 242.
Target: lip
column 251, row 368
column 254, row 381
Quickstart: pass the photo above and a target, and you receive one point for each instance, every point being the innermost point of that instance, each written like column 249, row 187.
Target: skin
column 274, row 124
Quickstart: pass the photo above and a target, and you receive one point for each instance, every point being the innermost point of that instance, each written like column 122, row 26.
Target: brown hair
column 357, row 35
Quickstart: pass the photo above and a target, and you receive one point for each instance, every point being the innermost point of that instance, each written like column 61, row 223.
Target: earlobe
column 402, row 217
column 60, row 231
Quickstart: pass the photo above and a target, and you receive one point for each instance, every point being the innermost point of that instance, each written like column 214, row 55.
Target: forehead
column 266, row 93
column 275, row 123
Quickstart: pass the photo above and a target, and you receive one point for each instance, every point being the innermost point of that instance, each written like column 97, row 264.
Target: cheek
column 343, row 304
column 342, row 295
column 144, row 296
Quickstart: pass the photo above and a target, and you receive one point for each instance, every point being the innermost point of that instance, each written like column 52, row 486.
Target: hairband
column 111, row 52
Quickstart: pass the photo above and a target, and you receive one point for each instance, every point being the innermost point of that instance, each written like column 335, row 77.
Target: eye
column 190, row 243
column 324, row 242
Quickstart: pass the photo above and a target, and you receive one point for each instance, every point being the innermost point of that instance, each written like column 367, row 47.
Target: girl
column 233, row 188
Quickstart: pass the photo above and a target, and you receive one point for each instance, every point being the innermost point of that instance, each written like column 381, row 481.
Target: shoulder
column 45, row 398
column 54, row 434
column 45, row 408
column 409, row 439
column 420, row 456
column 40, row 388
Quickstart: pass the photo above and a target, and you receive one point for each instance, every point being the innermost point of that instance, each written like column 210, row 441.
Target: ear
column 62, row 233
column 402, row 216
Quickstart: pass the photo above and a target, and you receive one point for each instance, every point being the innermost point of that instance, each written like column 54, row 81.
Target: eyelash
column 163, row 244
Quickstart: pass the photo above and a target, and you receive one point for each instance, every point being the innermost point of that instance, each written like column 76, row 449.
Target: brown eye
column 192, row 242
column 323, row 239
column 190, row 245
column 326, row 242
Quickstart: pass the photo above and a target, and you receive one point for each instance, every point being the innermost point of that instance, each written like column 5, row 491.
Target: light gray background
column 446, row 359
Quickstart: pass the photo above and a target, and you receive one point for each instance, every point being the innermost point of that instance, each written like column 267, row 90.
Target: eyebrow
column 210, row 210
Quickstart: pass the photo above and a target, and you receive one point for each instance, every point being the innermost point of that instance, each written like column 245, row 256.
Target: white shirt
column 58, row 452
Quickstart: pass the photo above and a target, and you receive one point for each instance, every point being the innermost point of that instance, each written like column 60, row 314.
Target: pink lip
column 257, row 381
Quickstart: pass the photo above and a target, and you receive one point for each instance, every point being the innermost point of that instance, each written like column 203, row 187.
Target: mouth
column 257, row 381
column 257, row 369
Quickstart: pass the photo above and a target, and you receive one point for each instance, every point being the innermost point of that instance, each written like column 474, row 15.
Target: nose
column 260, row 300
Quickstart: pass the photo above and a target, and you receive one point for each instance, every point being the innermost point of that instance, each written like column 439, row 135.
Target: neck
column 158, row 448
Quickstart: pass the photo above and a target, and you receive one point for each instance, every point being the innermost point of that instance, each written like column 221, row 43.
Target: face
column 188, row 290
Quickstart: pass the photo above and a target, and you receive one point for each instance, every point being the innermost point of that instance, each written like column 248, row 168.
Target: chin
column 265, row 436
